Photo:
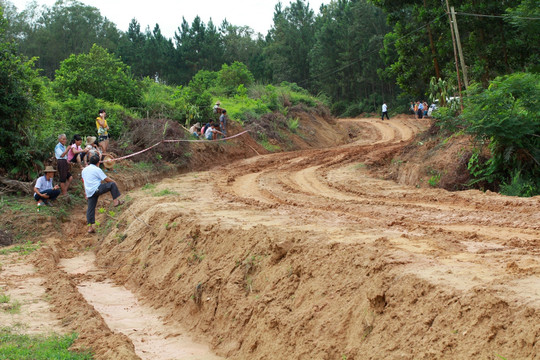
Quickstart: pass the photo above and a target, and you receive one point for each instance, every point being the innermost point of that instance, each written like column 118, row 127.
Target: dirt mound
column 306, row 254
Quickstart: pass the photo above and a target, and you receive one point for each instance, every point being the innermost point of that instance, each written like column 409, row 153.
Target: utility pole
column 461, row 58
column 455, row 54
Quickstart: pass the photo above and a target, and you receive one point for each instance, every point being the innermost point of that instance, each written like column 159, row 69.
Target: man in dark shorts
column 96, row 183
column 60, row 152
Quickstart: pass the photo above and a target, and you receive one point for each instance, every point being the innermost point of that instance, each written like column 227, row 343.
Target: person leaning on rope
column 92, row 176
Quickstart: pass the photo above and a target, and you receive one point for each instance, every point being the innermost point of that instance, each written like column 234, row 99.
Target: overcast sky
column 257, row 14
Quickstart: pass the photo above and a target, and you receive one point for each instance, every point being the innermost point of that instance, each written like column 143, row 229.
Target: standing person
column 44, row 190
column 92, row 177
column 76, row 154
column 384, row 111
column 420, row 110
column 223, row 122
column 103, row 130
column 60, row 152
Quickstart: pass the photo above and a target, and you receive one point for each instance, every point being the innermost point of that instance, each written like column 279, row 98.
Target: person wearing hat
column 194, row 130
column 44, row 189
column 90, row 148
column 92, row 177
column 217, row 108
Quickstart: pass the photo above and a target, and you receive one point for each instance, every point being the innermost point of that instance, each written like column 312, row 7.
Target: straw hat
column 198, row 125
column 108, row 164
column 218, row 103
column 90, row 140
column 49, row 169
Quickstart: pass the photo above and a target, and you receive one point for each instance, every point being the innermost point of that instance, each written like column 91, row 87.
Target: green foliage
column 520, row 186
column 507, row 115
column 99, row 74
column 230, row 78
column 21, row 103
column 22, row 249
column 79, row 114
column 53, row 33
column 19, row 346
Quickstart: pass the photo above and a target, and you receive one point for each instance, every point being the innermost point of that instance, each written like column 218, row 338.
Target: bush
column 507, row 116
column 99, row 74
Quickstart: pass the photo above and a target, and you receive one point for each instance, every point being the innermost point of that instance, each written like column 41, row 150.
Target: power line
column 498, row 16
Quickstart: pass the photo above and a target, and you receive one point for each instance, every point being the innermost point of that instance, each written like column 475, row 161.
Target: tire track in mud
column 332, row 184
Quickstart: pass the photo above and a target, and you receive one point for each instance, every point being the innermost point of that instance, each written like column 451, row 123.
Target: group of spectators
column 209, row 131
column 95, row 181
column 419, row 109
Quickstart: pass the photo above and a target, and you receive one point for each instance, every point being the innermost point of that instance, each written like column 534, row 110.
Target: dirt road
column 304, row 255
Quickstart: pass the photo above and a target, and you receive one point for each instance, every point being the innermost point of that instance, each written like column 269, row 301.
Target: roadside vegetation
column 154, row 87
column 15, row 345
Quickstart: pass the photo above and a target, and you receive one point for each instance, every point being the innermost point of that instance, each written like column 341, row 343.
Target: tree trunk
column 432, row 46
column 12, row 186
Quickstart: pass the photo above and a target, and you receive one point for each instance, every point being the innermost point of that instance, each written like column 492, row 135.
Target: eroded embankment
column 262, row 291
column 305, row 255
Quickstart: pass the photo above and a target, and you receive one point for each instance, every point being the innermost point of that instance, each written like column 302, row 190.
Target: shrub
column 507, row 116
column 99, row 74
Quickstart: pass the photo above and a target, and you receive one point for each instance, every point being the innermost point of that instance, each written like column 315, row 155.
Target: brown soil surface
column 307, row 255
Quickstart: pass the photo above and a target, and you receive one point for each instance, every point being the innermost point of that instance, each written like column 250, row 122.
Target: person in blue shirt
column 61, row 155
column 223, row 122
column 92, row 177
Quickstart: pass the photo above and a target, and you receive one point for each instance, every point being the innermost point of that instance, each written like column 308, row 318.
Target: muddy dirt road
column 304, row 255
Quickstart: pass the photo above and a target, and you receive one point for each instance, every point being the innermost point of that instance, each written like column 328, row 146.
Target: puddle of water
column 123, row 313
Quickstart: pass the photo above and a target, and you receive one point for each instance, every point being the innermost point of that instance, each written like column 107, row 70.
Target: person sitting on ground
column 91, row 146
column 60, row 152
column 223, row 122
column 194, row 130
column 211, row 132
column 44, row 191
column 76, row 154
column 92, row 177
column 217, row 108
column 204, row 128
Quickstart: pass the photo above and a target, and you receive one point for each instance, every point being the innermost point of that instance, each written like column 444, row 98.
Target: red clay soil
column 306, row 255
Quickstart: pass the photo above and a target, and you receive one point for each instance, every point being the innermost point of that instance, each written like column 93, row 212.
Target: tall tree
column 347, row 42
column 199, row 47
column 68, row 27
column 21, row 100
column 240, row 44
column 290, row 41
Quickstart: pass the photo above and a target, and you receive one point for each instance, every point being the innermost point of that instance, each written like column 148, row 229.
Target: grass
column 38, row 347
column 293, row 124
column 148, row 186
column 165, row 192
column 23, row 249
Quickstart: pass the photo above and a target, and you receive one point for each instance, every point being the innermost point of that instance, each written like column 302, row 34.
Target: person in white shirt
column 92, row 177
column 61, row 154
column 384, row 111
column 44, row 189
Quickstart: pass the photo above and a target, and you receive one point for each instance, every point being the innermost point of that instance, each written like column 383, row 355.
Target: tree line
column 357, row 52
